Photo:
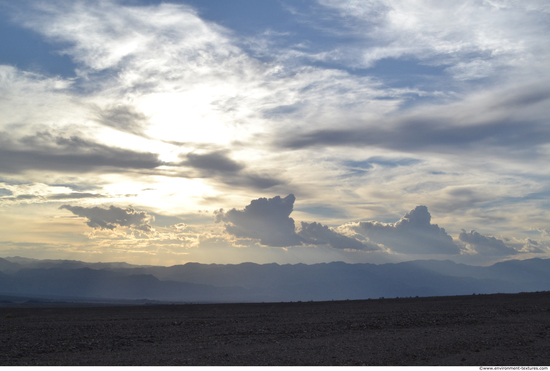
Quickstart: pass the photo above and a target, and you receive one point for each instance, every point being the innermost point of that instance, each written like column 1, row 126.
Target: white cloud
column 23, row 96
column 449, row 33
column 180, row 71
column 106, row 35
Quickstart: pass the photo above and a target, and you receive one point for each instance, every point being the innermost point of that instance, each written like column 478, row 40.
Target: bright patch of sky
column 202, row 119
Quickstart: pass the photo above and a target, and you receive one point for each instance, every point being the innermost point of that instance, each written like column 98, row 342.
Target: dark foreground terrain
column 512, row 329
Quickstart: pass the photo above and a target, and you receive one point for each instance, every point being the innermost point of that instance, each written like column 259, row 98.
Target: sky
column 213, row 131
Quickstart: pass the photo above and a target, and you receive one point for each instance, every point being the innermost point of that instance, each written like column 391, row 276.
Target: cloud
column 264, row 219
column 486, row 245
column 164, row 71
column 255, row 181
column 412, row 234
column 269, row 221
column 428, row 135
column 42, row 193
column 531, row 246
column 220, row 166
column 20, row 197
column 484, row 36
column 167, row 61
column 124, row 118
column 505, row 121
column 318, row 234
column 113, row 217
column 141, row 46
column 74, row 195
column 44, row 151
column 101, row 39
column 5, row 192
column 213, row 163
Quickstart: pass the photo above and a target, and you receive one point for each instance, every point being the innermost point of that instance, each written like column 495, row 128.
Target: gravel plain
column 500, row 329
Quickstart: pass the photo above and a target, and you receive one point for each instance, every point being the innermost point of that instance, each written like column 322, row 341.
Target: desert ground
column 500, row 329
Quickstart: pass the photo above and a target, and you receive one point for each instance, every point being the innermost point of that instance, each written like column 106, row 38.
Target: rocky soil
column 461, row 330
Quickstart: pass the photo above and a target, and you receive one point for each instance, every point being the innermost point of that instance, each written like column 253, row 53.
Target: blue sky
column 274, row 131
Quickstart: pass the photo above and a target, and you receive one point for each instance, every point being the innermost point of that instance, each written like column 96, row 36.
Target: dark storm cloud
column 220, row 166
column 44, row 151
column 264, row 219
column 413, row 234
column 123, row 118
column 318, row 234
column 112, row 217
column 486, row 245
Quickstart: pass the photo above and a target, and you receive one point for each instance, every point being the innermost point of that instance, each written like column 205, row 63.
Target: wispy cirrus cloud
column 472, row 39
column 486, row 245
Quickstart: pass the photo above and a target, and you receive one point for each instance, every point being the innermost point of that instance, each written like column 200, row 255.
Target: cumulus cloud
column 318, row 234
column 113, row 217
column 264, row 219
column 412, row 234
column 486, row 245
column 532, row 246
column 269, row 221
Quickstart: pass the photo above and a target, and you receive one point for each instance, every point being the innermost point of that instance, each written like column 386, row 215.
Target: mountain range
column 250, row 282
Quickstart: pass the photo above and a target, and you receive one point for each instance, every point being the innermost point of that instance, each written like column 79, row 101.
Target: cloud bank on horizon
column 152, row 131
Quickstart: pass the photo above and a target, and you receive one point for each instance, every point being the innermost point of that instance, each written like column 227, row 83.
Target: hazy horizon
column 164, row 132
column 251, row 282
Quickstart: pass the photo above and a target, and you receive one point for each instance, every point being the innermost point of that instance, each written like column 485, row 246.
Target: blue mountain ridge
column 251, row 282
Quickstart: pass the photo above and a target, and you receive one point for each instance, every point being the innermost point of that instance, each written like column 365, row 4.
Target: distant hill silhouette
column 250, row 282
